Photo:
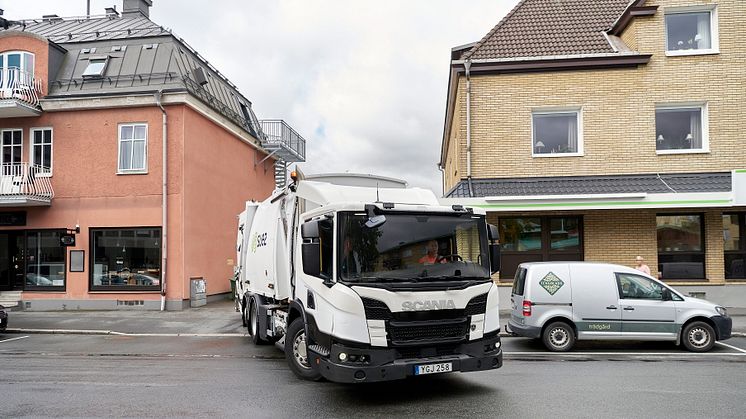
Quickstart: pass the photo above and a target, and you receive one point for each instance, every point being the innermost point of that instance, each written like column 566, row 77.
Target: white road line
column 667, row 354
column 11, row 339
column 732, row 347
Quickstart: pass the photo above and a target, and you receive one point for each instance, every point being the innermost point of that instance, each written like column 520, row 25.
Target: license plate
column 433, row 368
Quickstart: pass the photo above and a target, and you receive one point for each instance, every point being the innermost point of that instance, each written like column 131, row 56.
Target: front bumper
column 723, row 326
column 385, row 363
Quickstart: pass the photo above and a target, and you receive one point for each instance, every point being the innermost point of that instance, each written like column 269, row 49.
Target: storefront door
column 12, row 259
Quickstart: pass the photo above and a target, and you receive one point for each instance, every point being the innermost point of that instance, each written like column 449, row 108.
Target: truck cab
column 370, row 283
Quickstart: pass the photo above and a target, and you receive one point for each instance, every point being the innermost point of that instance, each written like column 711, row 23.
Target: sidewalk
column 217, row 318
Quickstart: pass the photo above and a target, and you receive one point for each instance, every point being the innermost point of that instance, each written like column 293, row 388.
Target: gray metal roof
column 142, row 57
column 588, row 185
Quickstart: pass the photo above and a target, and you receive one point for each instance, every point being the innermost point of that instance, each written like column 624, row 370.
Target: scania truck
column 360, row 279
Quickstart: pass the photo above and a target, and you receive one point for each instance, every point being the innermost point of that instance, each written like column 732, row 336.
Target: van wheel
column 253, row 321
column 559, row 337
column 698, row 337
column 296, row 352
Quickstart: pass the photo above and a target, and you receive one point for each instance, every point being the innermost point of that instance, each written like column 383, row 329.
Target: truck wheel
column 296, row 352
column 698, row 337
column 253, row 321
column 244, row 312
column 559, row 337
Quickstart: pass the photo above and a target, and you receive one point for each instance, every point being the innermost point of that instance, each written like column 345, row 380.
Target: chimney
column 133, row 8
column 112, row 11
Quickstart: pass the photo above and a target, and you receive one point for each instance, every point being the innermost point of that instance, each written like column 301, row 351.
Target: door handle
column 611, row 308
column 629, row 308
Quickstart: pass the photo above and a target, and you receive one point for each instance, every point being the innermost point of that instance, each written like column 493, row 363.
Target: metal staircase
column 284, row 143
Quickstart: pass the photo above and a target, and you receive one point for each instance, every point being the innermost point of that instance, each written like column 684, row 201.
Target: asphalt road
column 128, row 376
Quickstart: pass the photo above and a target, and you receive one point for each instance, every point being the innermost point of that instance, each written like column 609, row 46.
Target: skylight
column 96, row 68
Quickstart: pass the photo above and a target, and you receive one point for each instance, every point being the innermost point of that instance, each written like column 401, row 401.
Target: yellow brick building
column 603, row 130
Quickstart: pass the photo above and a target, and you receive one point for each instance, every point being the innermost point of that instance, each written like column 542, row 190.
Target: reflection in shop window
column 680, row 247
column 565, row 233
column 520, row 234
column 734, row 246
column 45, row 260
column 126, row 259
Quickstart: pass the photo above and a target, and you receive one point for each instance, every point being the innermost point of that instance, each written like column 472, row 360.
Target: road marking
column 669, row 354
column 732, row 347
column 11, row 339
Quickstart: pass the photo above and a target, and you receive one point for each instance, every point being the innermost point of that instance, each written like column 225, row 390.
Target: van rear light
column 526, row 308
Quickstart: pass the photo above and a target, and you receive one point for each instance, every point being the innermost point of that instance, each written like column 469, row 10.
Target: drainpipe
column 443, row 179
column 164, row 200
column 467, row 66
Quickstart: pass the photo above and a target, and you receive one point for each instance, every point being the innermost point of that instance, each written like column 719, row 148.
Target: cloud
column 363, row 81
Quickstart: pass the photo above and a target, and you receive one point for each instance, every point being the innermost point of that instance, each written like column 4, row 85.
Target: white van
column 561, row 302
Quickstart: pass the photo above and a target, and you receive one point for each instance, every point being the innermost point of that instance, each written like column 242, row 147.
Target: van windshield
column 413, row 248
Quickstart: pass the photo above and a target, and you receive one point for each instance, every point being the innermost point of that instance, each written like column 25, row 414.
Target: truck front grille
column 422, row 333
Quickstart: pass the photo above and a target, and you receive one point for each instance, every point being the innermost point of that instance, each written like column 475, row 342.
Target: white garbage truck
column 361, row 279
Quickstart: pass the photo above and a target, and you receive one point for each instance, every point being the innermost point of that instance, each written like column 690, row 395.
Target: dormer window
column 691, row 31
column 16, row 67
column 96, row 68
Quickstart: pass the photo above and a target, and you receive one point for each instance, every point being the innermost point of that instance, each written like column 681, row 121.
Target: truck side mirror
column 494, row 258
column 311, row 253
column 310, row 230
column 492, row 232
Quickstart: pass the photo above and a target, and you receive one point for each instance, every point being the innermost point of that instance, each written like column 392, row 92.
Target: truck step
column 319, row 349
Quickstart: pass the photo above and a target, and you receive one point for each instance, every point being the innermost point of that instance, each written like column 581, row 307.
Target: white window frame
column 550, row 111
column 98, row 74
column 121, row 171
column 714, row 29
column 51, row 150
column 705, row 126
column 2, row 146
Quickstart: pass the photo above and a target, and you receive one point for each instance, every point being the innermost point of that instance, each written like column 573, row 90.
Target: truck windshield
column 413, row 248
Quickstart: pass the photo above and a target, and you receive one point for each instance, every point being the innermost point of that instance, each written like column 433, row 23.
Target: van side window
column 638, row 287
column 519, row 282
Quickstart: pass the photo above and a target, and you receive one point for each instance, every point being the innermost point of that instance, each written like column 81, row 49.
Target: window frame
column 741, row 251
column 26, row 287
column 116, row 288
column 712, row 9
column 138, row 171
column 578, row 111
column 674, row 294
column 2, row 145
column 704, row 118
column 703, row 246
column 97, row 75
column 32, row 144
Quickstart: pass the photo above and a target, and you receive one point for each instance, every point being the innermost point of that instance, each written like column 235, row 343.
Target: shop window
column 734, row 228
column 41, row 150
column 681, row 129
column 125, row 259
column 557, row 133
column 45, row 260
column 133, row 148
column 691, row 30
column 681, row 250
column 537, row 239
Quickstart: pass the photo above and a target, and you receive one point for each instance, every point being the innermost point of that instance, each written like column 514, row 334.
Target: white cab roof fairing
column 323, row 194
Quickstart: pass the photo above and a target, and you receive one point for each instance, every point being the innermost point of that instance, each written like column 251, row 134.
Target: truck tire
column 558, row 337
column 253, row 321
column 296, row 352
column 244, row 313
column 698, row 337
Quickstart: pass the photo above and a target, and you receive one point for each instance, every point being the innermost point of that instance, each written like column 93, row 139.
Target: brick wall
column 618, row 109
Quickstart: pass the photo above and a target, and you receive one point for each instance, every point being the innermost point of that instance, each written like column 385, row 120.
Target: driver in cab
column 431, row 257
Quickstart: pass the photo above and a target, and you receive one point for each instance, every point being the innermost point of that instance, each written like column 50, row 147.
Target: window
column 691, row 31
column 96, row 68
column 681, row 250
column 125, row 259
column 734, row 227
column 537, row 239
column 133, row 148
column 641, row 288
column 45, row 260
column 16, row 67
column 12, row 143
column 519, row 281
column 557, row 133
column 681, row 129
column 326, row 240
column 41, row 150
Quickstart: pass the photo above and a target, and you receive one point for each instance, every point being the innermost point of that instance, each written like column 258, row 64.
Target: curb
column 114, row 333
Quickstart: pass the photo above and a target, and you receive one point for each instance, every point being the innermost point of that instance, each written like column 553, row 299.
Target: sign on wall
column 15, row 218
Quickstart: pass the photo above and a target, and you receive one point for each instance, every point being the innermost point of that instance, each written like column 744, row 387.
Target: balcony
column 19, row 93
column 283, row 141
column 24, row 185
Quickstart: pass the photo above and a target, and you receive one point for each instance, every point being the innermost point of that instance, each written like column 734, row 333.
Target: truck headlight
column 721, row 311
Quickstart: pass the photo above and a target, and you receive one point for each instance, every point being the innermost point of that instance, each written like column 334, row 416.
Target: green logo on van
column 551, row 283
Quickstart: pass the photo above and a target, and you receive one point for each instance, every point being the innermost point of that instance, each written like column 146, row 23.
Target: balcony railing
column 23, row 184
column 280, row 138
column 21, row 86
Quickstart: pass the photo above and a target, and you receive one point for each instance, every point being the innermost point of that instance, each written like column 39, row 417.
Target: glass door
column 12, row 258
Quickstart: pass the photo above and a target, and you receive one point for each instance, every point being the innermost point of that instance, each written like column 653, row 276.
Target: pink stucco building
column 116, row 133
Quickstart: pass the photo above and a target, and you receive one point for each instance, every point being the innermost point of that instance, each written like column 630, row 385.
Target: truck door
column 595, row 303
column 644, row 313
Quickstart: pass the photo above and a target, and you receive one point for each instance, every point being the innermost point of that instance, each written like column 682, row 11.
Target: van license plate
column 433, row 368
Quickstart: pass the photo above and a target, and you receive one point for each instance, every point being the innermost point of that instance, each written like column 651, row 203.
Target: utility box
column 198, row 295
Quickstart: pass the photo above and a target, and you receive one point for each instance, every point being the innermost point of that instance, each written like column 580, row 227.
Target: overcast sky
column 364, row 81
